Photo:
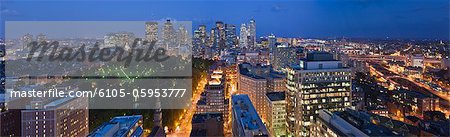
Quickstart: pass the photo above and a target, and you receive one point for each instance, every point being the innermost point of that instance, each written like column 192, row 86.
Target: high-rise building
column 246, row 121
column 151, row 31
column 121, row 126
column 230, row 32
column 252, row 33
column 272, row 43
column 169, row 35
column 276, row 113
column 318, row 82
column 219, row 36
column 243, row 36
column 62, row 117
column 200, row 42
column 283, row 56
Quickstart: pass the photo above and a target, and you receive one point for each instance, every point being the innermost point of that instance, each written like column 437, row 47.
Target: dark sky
column 411, row 19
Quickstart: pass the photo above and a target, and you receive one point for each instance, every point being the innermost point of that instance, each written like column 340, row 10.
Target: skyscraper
column 252, row 33
column 230, row 32
column 168, row 35
column 151, row 31
column 243, row 36
column 318, row 82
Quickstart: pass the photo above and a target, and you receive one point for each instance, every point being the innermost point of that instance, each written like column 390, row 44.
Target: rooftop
column 320, row 56
column 120, row 126
column 248, row 118
column 276, row 96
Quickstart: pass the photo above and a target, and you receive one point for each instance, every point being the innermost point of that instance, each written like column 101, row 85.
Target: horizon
column 366, row 19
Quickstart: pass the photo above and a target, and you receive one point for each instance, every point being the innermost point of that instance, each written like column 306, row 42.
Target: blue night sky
column 412, row 19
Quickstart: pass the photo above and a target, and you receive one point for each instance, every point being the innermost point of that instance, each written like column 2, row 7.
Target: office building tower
column 272, row 40
column 318, row 82
column 219, row 37
column 243, row 36
column 276, row 113
column 169, row 36
column 252, row 33
column 62, row 117
column 151, row 31
column 121, row 126
column 283, row 56
column 246, row 121
column 230, row 32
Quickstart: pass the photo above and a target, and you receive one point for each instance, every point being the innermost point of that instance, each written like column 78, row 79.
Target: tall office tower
column 276, row 113
column 26, row 39
column 219, row 36
column 203, row 34
column 168, row 35
column 318, row 82
column 243, row 36
column 272, row 43
column 197, row 44
column 41, row 38
column 63, row 117
column 258, row 80
column 252, row 33
column 230, row 32
column 183, row 36
column 121, row 126
column 151, row 31
column 246, row 122
column 283, row 55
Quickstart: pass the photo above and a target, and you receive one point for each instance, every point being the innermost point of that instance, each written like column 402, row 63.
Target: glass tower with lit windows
column 317, row 82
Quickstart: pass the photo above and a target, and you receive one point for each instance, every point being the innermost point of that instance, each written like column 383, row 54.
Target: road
column 184, row 126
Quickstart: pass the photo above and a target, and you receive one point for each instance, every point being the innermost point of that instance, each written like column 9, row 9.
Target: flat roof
column 126, row 123
column 248, row 118
column 276, row 96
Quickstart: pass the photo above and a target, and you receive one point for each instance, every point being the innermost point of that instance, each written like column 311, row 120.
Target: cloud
column 277, row 8
column 8, row 12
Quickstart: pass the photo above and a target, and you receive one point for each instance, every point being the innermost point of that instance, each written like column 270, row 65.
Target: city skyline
column 309, row 19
